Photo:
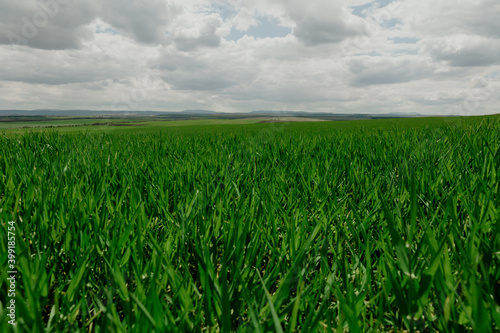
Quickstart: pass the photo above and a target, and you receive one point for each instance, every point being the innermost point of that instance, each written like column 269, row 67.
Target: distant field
column 289, row 119
column 53, row 122
column 79, row 124
column 223, row 225
column 146, row 124
column 135, row 124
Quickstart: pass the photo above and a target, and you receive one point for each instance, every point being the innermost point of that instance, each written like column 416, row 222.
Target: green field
column 221, row 226
column 117, row 125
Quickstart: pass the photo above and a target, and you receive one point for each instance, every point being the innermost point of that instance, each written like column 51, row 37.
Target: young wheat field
column 303, row 227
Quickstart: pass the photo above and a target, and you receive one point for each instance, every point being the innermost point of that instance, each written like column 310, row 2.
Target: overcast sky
column 426, row 56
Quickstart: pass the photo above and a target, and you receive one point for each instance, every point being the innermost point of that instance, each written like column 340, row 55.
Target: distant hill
column 201, row 113
column 363, row 115
column 75, row 113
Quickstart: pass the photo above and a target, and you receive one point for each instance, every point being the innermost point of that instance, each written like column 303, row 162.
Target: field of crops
column 259, row 228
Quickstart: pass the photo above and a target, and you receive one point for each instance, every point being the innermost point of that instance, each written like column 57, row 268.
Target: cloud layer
column 317, row 55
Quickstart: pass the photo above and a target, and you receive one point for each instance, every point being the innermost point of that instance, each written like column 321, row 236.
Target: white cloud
column 193, row 31
column 410, row 55
column 244, row 19
column 450, row 17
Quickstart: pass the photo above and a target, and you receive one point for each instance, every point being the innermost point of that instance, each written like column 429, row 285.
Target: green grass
column 361, row 226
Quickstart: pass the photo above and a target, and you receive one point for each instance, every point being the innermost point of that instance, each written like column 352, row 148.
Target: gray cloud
column 321, row 22
column 465, row 50
column 368, row 70
column 144, row 21
column 313, row 32
column 64, row 24
column 37, row 72
column 48, row 24
column 51, row 67
column 204, row 71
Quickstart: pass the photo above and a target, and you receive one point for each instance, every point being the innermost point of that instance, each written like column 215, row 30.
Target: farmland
column 373, row 225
